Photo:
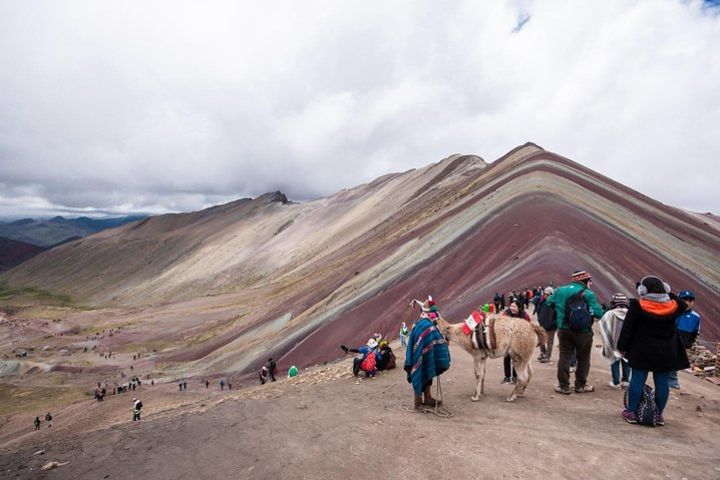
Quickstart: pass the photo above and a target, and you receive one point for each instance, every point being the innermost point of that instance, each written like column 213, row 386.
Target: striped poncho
column 427, row 354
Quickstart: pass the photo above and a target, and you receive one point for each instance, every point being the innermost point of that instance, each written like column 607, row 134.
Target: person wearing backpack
column 650, row 342
column 548, row 320
column 575, row 306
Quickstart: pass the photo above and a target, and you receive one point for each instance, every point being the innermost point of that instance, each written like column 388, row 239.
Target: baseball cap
column 686, row 295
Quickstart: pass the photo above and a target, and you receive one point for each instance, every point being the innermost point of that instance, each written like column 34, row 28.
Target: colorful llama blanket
column 427, row 354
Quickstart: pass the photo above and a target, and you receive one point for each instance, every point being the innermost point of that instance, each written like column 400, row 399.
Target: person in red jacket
column 514, row 310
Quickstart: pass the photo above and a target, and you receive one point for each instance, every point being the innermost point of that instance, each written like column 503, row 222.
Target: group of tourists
column 643, row 335
column 373, row 357
column 48, row 419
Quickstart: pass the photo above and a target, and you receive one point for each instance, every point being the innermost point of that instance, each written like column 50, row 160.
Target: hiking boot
column 563, row 390
column 545, row 360
column 585, row 389
column 506, row 380
column 629, row 416
column 429, row 400
column 418, row 402
column 659, row 420
column 616, row 386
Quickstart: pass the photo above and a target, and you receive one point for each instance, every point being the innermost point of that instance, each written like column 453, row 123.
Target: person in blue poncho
column 427, row 355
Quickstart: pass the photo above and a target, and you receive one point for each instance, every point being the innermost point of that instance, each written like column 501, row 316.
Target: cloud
column 154, row 107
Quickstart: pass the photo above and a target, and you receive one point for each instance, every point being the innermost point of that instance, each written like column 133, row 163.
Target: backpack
column 647, row 410
column 577, row 312
column 390, row 362
column 547, row 316
column 138, row 406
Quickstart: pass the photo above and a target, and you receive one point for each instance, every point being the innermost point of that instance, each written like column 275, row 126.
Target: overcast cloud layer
column 119, row 107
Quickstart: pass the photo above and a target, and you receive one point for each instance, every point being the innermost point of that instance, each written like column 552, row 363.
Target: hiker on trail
column 37, row 423
column 650, row 342
column 263, row 375
column 688, row 328
column 610, row 326
column 292, row 372
column 427, row 355
column 184, row 385
column 575, row 305
column 137, row 408
column 547, row 319
column 180, row 386
column 222, row 384
column 404, row 332
column 367, row 361
column 496, row 301
column 515, row 310
column 207, row 383
column 48, row 418
column 271, row 368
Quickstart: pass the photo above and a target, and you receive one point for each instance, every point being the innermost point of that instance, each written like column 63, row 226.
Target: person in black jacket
column 650, row 342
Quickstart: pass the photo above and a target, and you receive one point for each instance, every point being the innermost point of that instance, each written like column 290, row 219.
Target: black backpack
column 547, row 316
column 577, row 312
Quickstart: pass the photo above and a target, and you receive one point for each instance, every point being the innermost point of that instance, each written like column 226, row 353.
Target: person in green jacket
column 292, row 372
column 571, row 339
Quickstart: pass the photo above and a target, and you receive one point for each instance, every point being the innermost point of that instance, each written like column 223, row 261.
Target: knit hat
column 652, row 284
column 549, row 290
column 580, row 276
column 429, row 305
column 619, row 300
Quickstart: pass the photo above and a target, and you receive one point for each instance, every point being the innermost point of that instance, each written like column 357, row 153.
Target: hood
column 659, row 308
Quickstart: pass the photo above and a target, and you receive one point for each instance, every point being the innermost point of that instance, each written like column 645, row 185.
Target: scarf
column 610, row 326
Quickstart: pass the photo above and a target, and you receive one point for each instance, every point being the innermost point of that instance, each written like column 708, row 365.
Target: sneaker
column 545, row 360
column 564, row 391
column 585, row 389
column 506, row 380
column 624, row 384
column 616, row 386
column 675, row 385
column 659, row 420
column 572, row 369
column 629, row 416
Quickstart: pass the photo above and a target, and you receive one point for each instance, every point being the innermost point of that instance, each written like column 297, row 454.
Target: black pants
column 581, row 344
column 506, row 364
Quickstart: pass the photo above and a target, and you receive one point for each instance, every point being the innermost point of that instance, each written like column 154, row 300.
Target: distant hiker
column 184, row 385
column 137, row 408
column 610, row 326
column 496, row 301
column 650, row 342
column 263, row 375
column 292, row 372
column 515, row 310
column 180, row 386
column 222, row 384
column 688, row 328
column 547, row 319
column 37, row 423
column 575, row 305
column 427, row 355
column 271, row 367
column 48, row 418
column 229, row 385
column 404, row 332
column 207, row 383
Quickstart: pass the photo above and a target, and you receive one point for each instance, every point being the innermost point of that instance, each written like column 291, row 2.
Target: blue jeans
column 615, row 370
column 403, row 341
column 637, row 382
column 674, row 379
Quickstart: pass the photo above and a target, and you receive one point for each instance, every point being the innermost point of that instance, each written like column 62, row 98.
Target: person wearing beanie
column 610, row 325
column 650, row 342
column 580, row 341
column 548, row 320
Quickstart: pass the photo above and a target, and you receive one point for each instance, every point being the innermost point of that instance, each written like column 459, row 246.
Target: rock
column 39, row 452
column 51, row 465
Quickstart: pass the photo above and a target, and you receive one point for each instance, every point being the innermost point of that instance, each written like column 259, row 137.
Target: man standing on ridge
column 575, row 306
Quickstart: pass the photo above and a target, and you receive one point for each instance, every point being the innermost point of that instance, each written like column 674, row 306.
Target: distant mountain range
column 57, row 230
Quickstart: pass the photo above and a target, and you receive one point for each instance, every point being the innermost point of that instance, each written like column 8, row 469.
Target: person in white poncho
column 610, row 325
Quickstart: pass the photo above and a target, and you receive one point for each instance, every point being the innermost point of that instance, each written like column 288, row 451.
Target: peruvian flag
column 473, row 321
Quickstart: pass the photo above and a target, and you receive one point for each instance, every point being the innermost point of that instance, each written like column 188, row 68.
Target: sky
column 116, row 107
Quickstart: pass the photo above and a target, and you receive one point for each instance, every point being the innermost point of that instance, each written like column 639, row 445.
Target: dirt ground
column 327, row 425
